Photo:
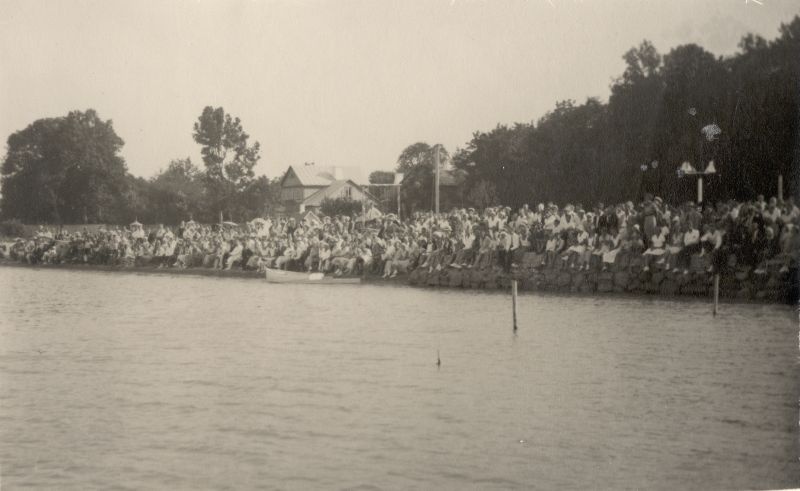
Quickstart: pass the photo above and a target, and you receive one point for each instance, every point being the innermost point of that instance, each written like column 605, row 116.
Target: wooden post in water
column 514, row 302
column 716, row 293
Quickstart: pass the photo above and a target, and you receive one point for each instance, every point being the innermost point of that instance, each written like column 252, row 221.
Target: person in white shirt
column 465, row 255
column 791, row 212
column 574, row 252
column 287, row 255
column 492, row 221
column 551, row 221
column 760, row 203
column 772, row 212
column 691, row 245
column 656, row 249
column 610, row 247
column 235, row 255
column 553, row 245
column 537, row 216
column 509, row 247
column 675, row 244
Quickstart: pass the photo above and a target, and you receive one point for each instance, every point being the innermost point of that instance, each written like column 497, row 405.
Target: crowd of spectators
column 751, row 235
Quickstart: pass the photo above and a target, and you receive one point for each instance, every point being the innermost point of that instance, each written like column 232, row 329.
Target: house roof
column 317, row 198
column 303, row 215
column 315, row 175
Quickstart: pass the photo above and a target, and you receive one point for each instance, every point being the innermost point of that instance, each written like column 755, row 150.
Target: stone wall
column 775, row 285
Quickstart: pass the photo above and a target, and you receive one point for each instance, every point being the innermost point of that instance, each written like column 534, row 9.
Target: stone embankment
column 773, row 285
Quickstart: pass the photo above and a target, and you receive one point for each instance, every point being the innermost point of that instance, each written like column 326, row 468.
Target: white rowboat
column 280, row 276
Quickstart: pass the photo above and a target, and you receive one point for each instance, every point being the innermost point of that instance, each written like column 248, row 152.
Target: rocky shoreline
column 776, row 284
column 763, row 288
column 771, row 287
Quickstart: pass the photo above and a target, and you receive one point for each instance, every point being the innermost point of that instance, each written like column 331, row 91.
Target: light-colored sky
column 346, row 82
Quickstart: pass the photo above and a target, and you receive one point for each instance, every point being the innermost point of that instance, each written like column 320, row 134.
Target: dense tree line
column 69, row 170
column 742, row 112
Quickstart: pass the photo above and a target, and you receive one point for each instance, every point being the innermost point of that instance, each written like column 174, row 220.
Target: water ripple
column 121, row 381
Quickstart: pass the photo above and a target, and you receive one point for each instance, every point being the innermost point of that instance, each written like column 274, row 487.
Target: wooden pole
column 780, row 187
column 514, row 302
column 700, row 190
column 398, row 201
column 716, row 293
column 436, row 163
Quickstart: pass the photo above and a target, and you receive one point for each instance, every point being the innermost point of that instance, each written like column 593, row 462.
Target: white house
column 304, row 187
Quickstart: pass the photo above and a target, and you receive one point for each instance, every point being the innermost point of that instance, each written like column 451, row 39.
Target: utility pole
column 398, row 201
column 436, row 163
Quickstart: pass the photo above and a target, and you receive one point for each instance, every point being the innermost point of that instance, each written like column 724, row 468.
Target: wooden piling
column 514, row 302
column 716, row 293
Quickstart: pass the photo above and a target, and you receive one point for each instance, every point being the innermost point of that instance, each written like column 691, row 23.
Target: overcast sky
column 344, row 82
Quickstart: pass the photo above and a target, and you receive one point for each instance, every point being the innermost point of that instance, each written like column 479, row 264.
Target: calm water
column 129, row 381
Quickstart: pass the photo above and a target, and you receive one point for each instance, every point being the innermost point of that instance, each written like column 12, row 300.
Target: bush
column 340, row 206
column 12, row 228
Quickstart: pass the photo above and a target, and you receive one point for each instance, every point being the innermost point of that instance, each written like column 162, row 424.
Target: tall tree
column 632, row 117
column 259, row 198
column 417, row 163
column 64, row 170
column 177, row 192
column 381, row 177
column 228, row 157
column 654, row 121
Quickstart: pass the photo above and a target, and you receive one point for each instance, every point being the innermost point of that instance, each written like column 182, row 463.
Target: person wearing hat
column 567, row 221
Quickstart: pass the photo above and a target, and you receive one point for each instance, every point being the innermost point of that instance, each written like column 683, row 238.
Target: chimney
column 338, row 174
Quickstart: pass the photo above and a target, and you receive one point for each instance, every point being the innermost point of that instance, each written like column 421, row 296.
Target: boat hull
column 280, row 276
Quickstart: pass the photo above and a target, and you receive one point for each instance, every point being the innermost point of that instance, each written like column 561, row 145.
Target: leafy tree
column 259, row 198
column 381, row 177
column 653, row 121
column 417, row 163
column 386, row 194
column 483, row 194
column 228, row 157
column 177, row 193
column 64, row 170
column 137, row 195
column 633, row 110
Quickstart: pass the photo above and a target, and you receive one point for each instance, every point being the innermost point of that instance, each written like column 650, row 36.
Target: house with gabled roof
column 305, row 187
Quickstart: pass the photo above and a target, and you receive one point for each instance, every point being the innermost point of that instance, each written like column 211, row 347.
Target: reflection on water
column 132, row 381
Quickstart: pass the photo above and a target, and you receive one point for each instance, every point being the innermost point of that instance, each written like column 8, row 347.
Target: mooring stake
column 514, row 302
